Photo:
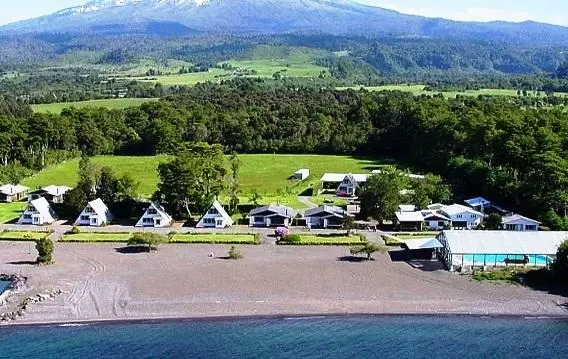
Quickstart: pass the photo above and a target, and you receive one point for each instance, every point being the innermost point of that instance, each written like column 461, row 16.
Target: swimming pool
column 502, row 259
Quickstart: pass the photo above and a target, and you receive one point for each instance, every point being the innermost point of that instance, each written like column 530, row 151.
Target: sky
column 549, row 11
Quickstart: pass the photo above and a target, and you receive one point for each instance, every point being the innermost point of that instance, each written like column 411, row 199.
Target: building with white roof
column 95, row 214
column 302, row 174
column 38, row 212
column 53, row 194
column 409, row 221
column 155, row 216
column 516, row 222
column 470, row 249
column 215, row 217
column 13, row 193
column 462, row 217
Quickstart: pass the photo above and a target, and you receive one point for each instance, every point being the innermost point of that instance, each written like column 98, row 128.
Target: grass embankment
column 117, row 103
column 221, row 238
column 323, row 240
column 267, row 174
column 397, row 239
column 11, row 211
column 22, row 236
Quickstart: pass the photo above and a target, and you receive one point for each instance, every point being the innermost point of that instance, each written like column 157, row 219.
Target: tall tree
column 192, row 179
column 234, row 186
column 380, row 196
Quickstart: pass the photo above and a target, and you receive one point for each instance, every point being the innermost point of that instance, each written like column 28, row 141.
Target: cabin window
column 89, row 210
column 148, row 221
column 530, row 227
column 27, row 216
column 209, row 220
column 258, row 219
column 213, row 211
column 84, row 218
column 152, row 211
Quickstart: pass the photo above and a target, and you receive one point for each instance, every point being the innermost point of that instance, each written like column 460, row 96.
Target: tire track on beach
column 86, row 288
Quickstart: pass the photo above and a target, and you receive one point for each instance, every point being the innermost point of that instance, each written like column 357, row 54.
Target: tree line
column 515, row 155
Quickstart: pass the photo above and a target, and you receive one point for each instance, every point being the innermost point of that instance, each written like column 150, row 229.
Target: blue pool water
column 500, row 259
column 4, row 284
column 382, row 337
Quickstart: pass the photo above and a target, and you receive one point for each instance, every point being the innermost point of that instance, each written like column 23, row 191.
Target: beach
column 100, row 282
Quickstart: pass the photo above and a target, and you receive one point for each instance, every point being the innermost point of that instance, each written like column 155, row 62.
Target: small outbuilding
column 215, row 217
column 409, row 221
column 38, row 212
column 325, row 217
column 302, row 174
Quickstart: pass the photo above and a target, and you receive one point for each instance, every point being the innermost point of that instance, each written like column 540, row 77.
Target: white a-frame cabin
column 215, row 217
column 155, row 216
column 38, row 212
column 95, row 214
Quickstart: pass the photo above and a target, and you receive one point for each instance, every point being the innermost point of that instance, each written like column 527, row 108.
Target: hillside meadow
column 268, row 174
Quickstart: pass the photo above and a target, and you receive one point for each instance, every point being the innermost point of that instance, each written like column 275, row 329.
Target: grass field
column 117, row 103
column 216, row 238
column 419, row 90
column 21, row 235
column 11, row 211
column 97, row 237
column 268, row 174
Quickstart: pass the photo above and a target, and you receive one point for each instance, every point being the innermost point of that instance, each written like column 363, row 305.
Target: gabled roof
column 99, row 207
column 56, row 190
column 409, row 216
column 220, row 210
column 422, row 243
column 10, row 189
column 42, row 206
column 302, row 171
column 518, row 218
column 332, row 210
column 339, row 177
column 454, row 209
column 276, row 209
column 161, row 211
column 502, row 242
column 436, row 206
column 430, row 214
column 478, row 201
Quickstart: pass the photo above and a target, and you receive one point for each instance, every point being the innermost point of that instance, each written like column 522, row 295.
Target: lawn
column 11, row 211
column 97, row 237
column 21, row 235
column 117, row 103
column 190, row 79
column 268, row 174
column 315, row 240
column 224, row 238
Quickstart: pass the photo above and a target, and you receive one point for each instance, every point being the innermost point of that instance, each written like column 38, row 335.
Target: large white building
column 462, row 217
column 463, row 250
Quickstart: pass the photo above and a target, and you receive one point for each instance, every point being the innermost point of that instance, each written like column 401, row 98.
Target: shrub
column 44, row 247
column 560, row 265
column 292, row 238
column 368, row 248
column 75, row 230
column 235, row 253
column 281, row 232
column 147, row 238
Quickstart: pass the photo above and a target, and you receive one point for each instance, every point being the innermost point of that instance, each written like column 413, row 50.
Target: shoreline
column 294, row 316
column 98, row 283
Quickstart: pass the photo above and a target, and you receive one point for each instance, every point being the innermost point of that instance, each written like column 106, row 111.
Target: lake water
column 333, row 337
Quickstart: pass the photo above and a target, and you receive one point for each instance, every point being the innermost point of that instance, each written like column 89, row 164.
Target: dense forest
column 490, row 146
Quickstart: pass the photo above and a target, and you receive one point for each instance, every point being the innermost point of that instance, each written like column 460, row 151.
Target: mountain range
column 340, row 17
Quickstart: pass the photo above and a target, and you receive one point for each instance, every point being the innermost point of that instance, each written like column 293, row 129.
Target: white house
column 406, row 208
column 519, row 223
column 215, row 217
column 302, row 174
column 12, row 193
column 436, row 206
column 344, row 184
column 409, row 221
column 38, row 212
column 53, row 194
column 435, row 220
column 155, row 216
column 462, row 217
column 325, row 217
column 271, row 216
column 95, row 214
